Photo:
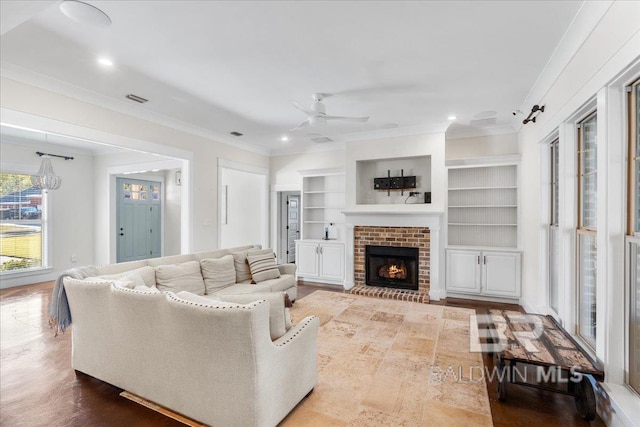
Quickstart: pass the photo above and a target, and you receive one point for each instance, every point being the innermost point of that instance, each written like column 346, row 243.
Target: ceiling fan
column 317, row 115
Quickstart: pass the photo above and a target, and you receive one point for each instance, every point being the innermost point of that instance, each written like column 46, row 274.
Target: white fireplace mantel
column 404, row 218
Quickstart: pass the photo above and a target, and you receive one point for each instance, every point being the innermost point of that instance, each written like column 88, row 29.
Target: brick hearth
column 413, row 237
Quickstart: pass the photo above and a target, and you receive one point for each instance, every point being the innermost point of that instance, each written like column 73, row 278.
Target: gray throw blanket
column 59, row 309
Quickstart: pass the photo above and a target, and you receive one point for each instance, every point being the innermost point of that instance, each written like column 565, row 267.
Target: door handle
column 478, row 259
column 484, row 260
column 320, row 250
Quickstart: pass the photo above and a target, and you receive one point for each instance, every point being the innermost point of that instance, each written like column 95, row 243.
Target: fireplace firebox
column 391, row 267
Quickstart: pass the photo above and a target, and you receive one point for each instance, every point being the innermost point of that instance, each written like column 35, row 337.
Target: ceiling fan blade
column 300, row 126
column 348, row 119
column 303, row 109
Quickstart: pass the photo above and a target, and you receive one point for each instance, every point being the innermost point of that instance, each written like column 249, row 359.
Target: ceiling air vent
column 136, row 98
column 483, row 122
column 234, row 133
column 322, row 139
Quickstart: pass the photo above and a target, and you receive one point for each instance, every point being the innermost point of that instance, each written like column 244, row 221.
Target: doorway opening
column 288, row 225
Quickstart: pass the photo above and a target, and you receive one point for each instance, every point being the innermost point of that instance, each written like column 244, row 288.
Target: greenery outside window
column 587, row 220
column 21, row 224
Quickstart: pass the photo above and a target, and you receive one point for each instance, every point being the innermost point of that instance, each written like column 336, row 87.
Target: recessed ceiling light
column 285, row 138
column 451, row 117
column 105, row 61
column 84, row 13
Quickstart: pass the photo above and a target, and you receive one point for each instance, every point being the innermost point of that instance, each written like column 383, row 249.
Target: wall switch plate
column 74, row 258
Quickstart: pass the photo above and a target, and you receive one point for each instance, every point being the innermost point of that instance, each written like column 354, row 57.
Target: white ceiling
column 222, row 66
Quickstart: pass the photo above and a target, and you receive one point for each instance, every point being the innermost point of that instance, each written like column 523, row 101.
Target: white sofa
column 286, row 282
column 210, row 360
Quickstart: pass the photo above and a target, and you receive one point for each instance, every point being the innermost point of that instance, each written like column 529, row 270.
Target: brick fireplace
column 406, row 237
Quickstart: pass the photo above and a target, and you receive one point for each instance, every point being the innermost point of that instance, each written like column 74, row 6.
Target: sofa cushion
column 242, row 268
column 218, row 273
column 284, row 282
column 146, row 273
column 262, row 266
column 243, row 288
column 279, row 315
column 208, row 299
column 180, row 277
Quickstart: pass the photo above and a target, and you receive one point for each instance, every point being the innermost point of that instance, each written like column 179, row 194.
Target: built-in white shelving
column 483, row 206
column 323, row 198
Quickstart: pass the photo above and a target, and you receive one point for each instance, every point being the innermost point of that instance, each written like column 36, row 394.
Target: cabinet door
column 501, row 273
column 332, row 261
column 307, row 259
column 463, row 271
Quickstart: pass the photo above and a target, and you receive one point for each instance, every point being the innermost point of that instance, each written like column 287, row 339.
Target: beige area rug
column 391, row 363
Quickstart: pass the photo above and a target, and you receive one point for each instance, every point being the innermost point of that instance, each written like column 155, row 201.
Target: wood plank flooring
column 38, row 387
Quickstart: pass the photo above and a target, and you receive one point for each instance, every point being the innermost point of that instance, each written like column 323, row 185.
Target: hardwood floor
column 38, row 387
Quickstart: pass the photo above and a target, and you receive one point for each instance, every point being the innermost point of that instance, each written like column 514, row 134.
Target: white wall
column 172, row 214
column 70, row 208
column 482, row 146
column 284, row 169
column 41, row 103
column 594, row 76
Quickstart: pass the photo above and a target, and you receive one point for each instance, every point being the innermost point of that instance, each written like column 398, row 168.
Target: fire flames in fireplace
column 391, row 266
column 393, row 271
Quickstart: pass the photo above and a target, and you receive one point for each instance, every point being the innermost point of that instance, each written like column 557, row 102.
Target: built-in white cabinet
column 320, row 261
column 483, row 272
column 482, row 257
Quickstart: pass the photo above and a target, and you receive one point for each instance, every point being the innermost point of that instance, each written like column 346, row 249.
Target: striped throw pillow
column 263, row 267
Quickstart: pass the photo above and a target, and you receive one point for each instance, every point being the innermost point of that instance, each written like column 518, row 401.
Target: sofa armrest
column 287, row 269
column 310, row 323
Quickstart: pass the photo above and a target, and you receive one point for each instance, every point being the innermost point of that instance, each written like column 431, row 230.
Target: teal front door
column 138, row 219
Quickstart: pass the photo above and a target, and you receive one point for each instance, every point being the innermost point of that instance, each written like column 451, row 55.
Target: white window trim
column 47, row 244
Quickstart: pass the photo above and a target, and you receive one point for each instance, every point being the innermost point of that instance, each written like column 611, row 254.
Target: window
column 587, row 218
column 633, row 239
column 553, row 226
column 21, row 223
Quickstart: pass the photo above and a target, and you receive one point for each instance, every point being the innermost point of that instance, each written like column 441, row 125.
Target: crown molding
column 470, row 132
column 50, row 84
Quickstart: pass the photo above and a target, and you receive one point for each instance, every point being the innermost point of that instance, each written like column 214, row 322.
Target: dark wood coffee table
column 535, row 351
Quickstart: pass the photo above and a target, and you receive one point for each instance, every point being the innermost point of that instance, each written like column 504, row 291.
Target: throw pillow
column 147, row 274
column 279, row 315
column 180, row 277
column 263, row 267
column 218, row 273
column 242, row 268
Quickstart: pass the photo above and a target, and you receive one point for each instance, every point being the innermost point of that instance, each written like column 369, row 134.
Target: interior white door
column 293, row 226
column 243, row 208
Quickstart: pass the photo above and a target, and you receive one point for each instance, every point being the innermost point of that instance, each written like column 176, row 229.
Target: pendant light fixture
column 46, row 178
